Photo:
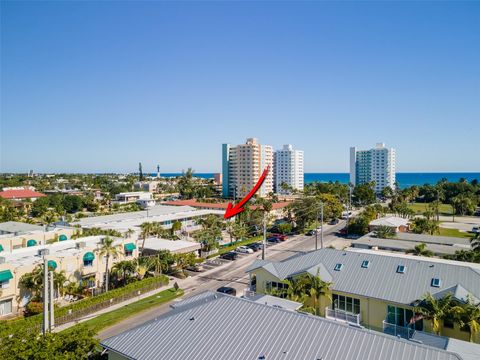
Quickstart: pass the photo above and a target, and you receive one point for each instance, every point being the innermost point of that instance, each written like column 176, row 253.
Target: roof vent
column 192, row 318
column 401, row 269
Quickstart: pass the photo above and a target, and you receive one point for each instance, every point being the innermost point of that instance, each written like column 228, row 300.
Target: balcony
column 395, row 330
column 343, row 316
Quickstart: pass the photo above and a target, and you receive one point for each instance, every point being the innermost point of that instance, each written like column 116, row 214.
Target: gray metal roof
column 404, row 245
column 467, row 350
column 424, row 238
column 381, row 280
column 18, row 227
column 220, row 326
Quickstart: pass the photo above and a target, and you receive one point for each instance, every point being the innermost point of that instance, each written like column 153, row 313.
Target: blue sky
column 100, row 86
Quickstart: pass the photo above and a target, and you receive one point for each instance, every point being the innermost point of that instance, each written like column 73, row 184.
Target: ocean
column 404, row 179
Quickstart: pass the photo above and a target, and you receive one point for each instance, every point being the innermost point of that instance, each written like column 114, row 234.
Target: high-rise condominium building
column 288, row 169
column 377, row 164
column 242, row 166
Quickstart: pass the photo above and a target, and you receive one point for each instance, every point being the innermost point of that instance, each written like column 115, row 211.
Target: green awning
column 129, row 247
column 1, row 248
column 88, row 256
column 5, row 275
column 31, row 242
column 63, row 237
column 52, row 264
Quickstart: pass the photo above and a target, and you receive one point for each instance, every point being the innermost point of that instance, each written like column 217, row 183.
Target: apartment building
column 288, row 169
column 77, row 258
column 242, row 166
column 377, row 164
column 377, row 290
column 16, row 235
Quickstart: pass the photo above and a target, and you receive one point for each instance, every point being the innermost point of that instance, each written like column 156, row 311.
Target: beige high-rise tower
column 242, row 167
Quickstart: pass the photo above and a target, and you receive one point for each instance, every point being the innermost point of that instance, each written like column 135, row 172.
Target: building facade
column 377, row 165
column 376, row 290
column 242, row 166
column 288, row 169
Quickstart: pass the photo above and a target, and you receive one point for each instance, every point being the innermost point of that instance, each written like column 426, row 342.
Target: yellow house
column 79, row 260
column 374, row 289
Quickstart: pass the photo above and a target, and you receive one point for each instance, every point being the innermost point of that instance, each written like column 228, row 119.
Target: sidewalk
column 111, row 308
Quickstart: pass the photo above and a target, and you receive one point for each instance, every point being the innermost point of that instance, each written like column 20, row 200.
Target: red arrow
column 234, row 210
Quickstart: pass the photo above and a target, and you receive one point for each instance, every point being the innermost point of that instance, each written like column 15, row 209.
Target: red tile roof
column 20, row 194
column 220, row 206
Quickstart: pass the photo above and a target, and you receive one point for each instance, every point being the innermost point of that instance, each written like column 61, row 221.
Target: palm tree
column 123, row 268
column 59, row 281
column 317, row 288
column 475, row 241
column 239, row 231
column 384, row 232
column 146, row 230
column 468, row 315
column 434, row 309
column 128, row 234
column 420, row 250
column 296, row 288
column 108, row 250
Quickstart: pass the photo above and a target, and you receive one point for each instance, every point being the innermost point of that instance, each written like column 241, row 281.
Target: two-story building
column 376, row 290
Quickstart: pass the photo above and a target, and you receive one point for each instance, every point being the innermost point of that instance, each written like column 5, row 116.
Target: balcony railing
column 395, row 330
column 344, row 316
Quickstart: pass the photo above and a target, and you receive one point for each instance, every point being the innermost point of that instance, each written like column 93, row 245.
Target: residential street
column 231, row 274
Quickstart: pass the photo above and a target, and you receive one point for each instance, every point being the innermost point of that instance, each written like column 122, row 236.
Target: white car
column 244, row 250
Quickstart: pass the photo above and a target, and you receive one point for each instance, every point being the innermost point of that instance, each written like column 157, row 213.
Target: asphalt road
column 231, row 274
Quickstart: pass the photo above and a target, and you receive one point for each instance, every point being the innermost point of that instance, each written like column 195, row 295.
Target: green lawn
column 112, row 317
column 420, row 208
column 454, row 233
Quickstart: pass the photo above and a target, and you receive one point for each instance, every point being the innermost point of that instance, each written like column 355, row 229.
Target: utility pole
column 51, row 312
column 321, row 227
column 46, row 318
column 316, row 232
column 264, row 235
column 349, row 204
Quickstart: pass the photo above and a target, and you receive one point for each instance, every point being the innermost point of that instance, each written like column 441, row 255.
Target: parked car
column 334, row 222
column 273, row 240
column 256, row 246
column 476, row 229
column 244, row 250
column 310, row 233
column 227, row 290
column 231, row 255
column 280, row 236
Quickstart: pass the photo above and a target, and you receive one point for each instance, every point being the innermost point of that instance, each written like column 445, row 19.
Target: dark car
column 230, row 256
column 256, row 246
column 334, row 222
column 273, row 240
column 227, row 290
column 310, row 233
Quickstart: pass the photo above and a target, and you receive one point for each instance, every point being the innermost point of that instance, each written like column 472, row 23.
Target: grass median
column 110, row 318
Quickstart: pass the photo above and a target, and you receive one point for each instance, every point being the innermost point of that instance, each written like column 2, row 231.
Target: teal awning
column 129, row 247
column 5, row 275
column 31, row 242
column 1, row 248
column 52, row 264
column 63, row 237
column 88, row 256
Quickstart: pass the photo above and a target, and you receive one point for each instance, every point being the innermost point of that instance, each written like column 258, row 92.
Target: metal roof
column 224, row 327
column 424, row 238
column 467, row 350
column 12, row 227
column 380, row 280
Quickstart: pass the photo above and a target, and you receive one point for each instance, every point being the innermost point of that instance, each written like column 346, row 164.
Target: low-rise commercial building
column 396, row 223
column 154, row 245
column 163, row 214
column 78, row 259
column 217, row 326
column 131, row 197
column 403, row 242
column 376, row 290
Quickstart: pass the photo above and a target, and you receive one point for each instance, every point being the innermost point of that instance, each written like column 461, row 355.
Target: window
column 401, row 269
column 436, row 282
column 365, row 264
column 346, row 303
column 87, row 262
column 403, row 317
column 4, row 284
column 448, row 323
column 338, row 267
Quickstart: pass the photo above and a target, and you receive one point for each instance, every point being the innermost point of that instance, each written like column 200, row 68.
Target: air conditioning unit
column 81, row 244
column 2, row 260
